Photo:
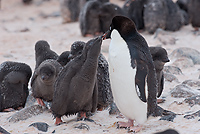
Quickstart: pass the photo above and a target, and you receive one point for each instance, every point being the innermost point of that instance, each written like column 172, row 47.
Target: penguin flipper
column 161, row 85
column 141, row 79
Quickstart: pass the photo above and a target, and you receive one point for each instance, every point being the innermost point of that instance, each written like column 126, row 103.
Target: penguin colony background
column 82, row 81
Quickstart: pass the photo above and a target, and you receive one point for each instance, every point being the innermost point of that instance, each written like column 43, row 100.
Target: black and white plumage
column 75, row 86
column 132, row 73
column 42, row 82
column 14, row 78
column 104, row 90
column 43, row 52
column 160, row 57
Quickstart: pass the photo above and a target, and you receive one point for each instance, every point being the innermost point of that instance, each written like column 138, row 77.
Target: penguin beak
column 106, row 35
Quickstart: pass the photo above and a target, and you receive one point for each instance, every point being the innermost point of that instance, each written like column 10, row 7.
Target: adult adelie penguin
column 75, row 86
column 132, row 73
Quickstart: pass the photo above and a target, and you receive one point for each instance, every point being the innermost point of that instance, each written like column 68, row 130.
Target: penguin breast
column 122, row 78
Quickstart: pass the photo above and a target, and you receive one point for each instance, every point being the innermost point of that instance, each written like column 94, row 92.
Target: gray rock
column 81, row 126
column 170, row 77
column 26, row 113
column 192, row 83
column 193, row 100
column 40, row 126
column 183, row 62
column 172, row 70
column 186, row 52
column 182, row 91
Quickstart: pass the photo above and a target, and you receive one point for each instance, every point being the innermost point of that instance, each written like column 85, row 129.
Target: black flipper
column 140, row 80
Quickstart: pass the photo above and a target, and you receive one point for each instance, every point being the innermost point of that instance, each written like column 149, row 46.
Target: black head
column 47, row 73
column 41, row 45
column 77, row 48
column 123, row 25
column 63, row 59
column 159, row 53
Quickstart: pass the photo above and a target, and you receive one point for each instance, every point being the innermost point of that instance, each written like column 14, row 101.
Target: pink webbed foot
column 8, row 110
column 40, row 101
column 128, row 124
column 58, row 121
column 135, row 129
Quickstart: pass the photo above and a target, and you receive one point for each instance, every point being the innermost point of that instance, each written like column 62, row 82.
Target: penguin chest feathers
column 122, row 77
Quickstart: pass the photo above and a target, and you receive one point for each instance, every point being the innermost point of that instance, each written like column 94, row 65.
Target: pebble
column 172, row 70
column 26, row 113
column 170, row 77
column 193, row 100
column 40, row 126
column 182, row 91
column 190, row 53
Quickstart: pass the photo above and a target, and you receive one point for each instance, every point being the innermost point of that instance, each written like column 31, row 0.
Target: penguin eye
column 110, row 28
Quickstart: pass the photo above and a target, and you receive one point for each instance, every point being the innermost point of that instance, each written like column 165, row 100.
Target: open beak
column 105, row 35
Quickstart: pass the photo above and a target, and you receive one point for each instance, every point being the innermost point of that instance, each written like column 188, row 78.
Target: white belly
column 122, row 78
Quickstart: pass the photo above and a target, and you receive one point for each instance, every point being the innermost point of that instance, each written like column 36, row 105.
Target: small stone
column 183, row 62
column 26, row 113
column 81, row 126
column 182, row 91
column 193, row 100
column 168, row 117
column 192, row 83
column 170, row 77
column 8, row 55
column 172, row 70
column 40, row 126
column 190, row 53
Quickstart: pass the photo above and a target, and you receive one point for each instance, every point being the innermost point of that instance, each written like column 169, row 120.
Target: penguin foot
column 40, row 101
column 128, row 124
column 59, row 121
column 135, row 129
column 19, row 108
column 9, row 110
column 160, row 101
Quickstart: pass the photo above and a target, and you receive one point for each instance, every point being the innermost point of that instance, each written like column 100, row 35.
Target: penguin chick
column 42, row 82
column 14, row 78
column 105, row 97
column 43, row 52
column 63, row 59
column 75, row 87
column 160, row 57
